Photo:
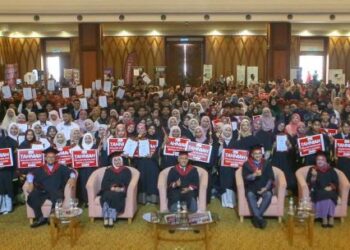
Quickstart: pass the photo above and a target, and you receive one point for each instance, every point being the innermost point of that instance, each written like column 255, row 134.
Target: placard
column 174, row 145
column 310, row 144
column 85, row 158
column 30, row 158
column 27, row 94
column 252, row 71
column 64, row 156
column 329, row 131
column 107, row 86
column 207, row 72
column 120, row 93
column 83, row 103
column 79, row 90
column 136, row 72
column 234, row 158
column 65, row 92
column 87, row 92
column 161, row 81
column 6, row 159
column 6, row 91
column 102, row 101
column 98, row 84
column 342, row 148
column 199, row 152
column 115, row 145
column 51, row 85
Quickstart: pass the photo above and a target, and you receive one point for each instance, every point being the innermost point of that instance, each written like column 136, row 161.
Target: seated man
column 48, row 183
column 115, row 182
column 258, row 179
column 183, row 184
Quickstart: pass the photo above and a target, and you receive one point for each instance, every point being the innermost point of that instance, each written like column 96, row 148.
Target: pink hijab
column 292, row 127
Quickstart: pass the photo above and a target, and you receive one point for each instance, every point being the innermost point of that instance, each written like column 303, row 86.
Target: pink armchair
column 93, row 187
column 202, row 196
column 276, row 208
column 344, row 186
column 69, row 192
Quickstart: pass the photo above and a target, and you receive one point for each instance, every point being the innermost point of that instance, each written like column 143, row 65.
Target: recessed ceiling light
column 334, row 33
column 305, row 33
column 154, row 33
column 215, row 33
column 246, row 33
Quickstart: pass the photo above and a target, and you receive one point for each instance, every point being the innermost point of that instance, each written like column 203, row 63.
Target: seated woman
column 114, row 187
column 258, row 181
column 323, row 184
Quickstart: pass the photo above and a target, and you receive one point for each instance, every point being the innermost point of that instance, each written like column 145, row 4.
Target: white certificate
column 18, row 81
column 281, row 143
column 45, row 142
column 187, row 90
column 65, row 92
column 136, row 72
column 98, row 84
column 22, row 127
column 83, row 103
column 27, row 93
column 107, row 86
column 79, row 90
column 6, row 91
column 20, row 139
column 120, row 82
column 37, row 146
column 51, row 85
column 162, row 81
column 102, row 101
column 120, row 93
column 87, row 92
column 130, row 147
column 146, row 79
column 34, row 93
column 144, row 148
column 93, row 85
column 234, row 126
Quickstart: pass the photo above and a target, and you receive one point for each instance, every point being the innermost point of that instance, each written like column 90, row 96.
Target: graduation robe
column 113, row 177
column 343, row 162
column 189, row 178
column 260, row 181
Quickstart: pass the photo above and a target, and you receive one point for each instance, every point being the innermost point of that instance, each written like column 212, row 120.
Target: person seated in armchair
column 115, row 182
column 258, row 181
column 183, row 184
column 48, row 183
column 323, row 185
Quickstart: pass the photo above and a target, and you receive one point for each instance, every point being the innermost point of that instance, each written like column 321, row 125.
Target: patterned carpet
column 229, row 233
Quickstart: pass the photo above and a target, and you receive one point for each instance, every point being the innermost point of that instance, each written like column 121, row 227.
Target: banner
column 233, row 157
column 64, row 157
column 175, row 145
column 310, row 144
column 30, row 158
column 6, row 157
column 329, row 131
column 199, row 152
column 84, row 158
column 153, row 144
column 115, row 145
column 342, row 147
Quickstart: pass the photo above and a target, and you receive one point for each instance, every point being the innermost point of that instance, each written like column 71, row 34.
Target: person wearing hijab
column 258, row 181
column 83, row 116
column 114, row 187
column 172, row 121
column 343, row 163
column 31, row 119
column 267, row 120
column 323, row 184
column 51, row 134
column 283, row 159
column 192, row 125
column 54, row 117
column 7, row 173
column 103, row 119
column 40, row 136
column 90, row 126
column 264, row 137
column 245, row 139
column 227, row 174
column 22, row 123
column 59, row 141
column 9, row 118
column 206, row 125
column 149, row 169
column 74, row 138
column 29, row 140
column 291, row 128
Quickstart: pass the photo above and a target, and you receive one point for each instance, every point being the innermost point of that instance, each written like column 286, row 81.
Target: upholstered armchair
column 344, row 186
column 202, row 196
column 276, row 208
column 93, row 187
column 69, row 192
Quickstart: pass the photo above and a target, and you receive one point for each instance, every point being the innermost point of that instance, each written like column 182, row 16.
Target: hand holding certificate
column 130, row 147
column 281, row 143
column 144, row 148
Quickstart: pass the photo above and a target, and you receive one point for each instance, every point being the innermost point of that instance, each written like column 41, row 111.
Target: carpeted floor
column 229, row 233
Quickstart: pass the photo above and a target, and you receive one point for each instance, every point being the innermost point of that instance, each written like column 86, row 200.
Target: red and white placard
column 64, row 156
column 174, row 145
column 85, row 158
column 310, row 144
column 329, row 131
column 233, row 157
column 115, row 145
column 199, row 152
column 6, row 159
column 30, row 158
column 342, row 147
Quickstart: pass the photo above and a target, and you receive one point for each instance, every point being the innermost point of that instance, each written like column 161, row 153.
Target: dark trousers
column 258, row 211
column 37, row 198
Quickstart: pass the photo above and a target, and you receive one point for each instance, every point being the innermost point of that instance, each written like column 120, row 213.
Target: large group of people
column 220, row 114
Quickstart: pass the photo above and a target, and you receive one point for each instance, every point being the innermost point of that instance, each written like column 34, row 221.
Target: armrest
column 302, row 186
column 281, row 186
column 69, row 192
column 344, row 187
column 162, row 189
column 202, row 192
column 240, row 184
column 92, row 188
column 25, row 189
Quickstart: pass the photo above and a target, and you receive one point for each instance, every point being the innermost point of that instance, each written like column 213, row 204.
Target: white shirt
column 66, row 129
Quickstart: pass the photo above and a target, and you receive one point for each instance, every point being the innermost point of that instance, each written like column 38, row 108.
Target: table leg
column 206, row 236
column 310, row 225
column 53, row 231
column 155, row 232
column 290, row 229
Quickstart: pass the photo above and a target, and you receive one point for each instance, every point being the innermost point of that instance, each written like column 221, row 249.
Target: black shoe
column 263, row 223
column 41, row 221
column 171, row 231
column 255, row 222
column 196, row 231
column 330, row 225
column 324, row 225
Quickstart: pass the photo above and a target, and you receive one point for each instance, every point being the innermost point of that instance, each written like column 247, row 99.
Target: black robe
column 113, row 177
column 310, row 159
column 7, row 173
column 227, row 174
column 48, row 185
column 189, row 178
column 323, row 179
column 343, row 163
column 260, row 181
column 265, row 138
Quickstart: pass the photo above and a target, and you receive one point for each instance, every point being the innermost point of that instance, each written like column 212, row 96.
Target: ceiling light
column 334, row 33
column 246, row 33
column 305, row 33
column 215, row 33
column 124, row 33
column 154, row 33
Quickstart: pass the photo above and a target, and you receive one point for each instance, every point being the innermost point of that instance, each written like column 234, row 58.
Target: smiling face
column 117, row 161
column 183, row 160
column 88, row 139
column 321, row 161
column 60, row 138
column 198, row 133
column 257, row 155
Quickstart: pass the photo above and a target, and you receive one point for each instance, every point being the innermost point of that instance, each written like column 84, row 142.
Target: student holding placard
column 343, row 163
column 8, row 166
column 170, row 160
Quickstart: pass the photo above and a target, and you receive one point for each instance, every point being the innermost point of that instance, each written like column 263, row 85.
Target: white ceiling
column 169, row 6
